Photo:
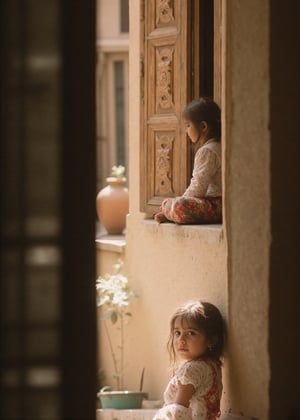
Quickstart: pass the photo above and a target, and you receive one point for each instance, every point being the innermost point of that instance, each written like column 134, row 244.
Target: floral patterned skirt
column 191, row 210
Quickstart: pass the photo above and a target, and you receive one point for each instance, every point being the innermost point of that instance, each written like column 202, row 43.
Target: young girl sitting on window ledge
column 202, row 200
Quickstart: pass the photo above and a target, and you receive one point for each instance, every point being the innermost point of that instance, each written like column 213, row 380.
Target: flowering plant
column 118, row 171
column 113, row 295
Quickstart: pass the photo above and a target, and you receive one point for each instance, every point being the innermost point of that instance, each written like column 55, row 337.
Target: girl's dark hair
column 204, row 109
column 209, row 320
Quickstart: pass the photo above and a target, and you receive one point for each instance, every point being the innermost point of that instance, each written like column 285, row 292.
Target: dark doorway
column 47, row 301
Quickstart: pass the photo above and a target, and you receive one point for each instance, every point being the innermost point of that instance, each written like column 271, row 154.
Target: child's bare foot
column 160, row 218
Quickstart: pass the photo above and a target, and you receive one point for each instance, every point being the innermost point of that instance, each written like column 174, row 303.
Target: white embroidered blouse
column 206, row 179
column 205, row 403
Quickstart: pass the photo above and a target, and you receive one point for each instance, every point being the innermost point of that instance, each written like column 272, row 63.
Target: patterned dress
column 202, row 200
column 205, row 376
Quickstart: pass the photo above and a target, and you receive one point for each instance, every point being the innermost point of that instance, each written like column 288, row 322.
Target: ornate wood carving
column 165, row 78
column 170, row 78
column 164, row 12
column 164, row 162
column 164, row 85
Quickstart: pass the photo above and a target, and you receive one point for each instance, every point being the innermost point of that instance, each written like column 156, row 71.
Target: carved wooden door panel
column 165, row 91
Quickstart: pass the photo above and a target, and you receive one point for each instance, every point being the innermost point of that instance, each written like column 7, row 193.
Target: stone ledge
column 208, row 232
column 191, row 226
column 138, row 414
column 113, row 243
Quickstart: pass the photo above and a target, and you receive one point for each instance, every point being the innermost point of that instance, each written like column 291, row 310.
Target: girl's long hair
column 208, row 319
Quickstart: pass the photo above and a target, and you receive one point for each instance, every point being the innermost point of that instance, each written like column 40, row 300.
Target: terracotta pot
column 112, row 205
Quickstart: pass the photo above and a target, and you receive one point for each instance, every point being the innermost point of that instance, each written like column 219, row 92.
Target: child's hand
column 184, row 394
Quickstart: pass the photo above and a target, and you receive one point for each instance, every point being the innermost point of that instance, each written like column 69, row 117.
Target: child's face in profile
column 191, row 130
column 189, row 342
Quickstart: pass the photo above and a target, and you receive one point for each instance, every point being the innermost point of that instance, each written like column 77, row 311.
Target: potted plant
column 112, row 202
column 113, row 296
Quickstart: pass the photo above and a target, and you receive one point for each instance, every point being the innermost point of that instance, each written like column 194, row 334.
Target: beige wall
column 108, row 20
column 169, row 264
column 112, row 46
column 247, row 199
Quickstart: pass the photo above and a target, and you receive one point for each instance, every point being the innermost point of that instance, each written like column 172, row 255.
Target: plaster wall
column 247, row 201
column 106, row 258
column 108, row 20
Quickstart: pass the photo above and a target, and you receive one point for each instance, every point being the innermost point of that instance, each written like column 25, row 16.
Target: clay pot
column 112, row 205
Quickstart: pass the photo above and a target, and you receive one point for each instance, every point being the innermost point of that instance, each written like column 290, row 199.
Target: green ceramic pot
column 121, row 399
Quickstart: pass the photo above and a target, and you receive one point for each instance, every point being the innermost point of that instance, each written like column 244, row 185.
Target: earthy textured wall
column 108, row 19
column 247, row 199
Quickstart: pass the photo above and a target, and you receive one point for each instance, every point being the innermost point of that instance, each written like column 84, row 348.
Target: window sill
column 112, row 243
column 117, row 243
column 214, row 231
column 136, row 414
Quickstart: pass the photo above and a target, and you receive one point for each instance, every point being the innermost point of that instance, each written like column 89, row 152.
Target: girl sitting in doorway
column 202, row 200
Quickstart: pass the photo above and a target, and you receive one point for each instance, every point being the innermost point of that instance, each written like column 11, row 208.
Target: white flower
column 120, row 299
column 118, row 171
column 113, row 290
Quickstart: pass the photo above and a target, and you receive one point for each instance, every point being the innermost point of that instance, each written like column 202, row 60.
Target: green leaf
column 114, row 317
